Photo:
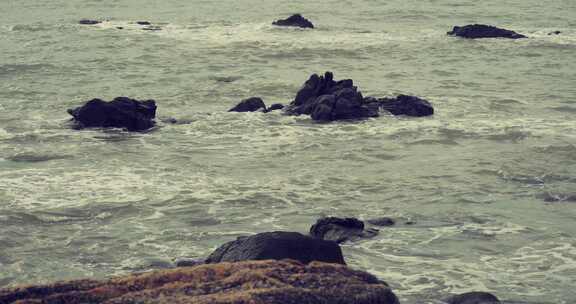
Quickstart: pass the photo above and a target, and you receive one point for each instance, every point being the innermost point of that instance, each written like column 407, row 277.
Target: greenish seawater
column 489, row 180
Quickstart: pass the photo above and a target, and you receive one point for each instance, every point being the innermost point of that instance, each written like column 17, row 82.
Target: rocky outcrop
column 475, row 31
column 340, row 229
column 475, row 297
column 278, row 245
column 382, row 221
column 295, row 20
column 325, row 99
column 122, row 112
column 406, row 105
column 254, row 282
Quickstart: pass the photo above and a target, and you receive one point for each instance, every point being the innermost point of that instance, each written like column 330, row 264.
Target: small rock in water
column 475, row 31
column 122, row 112
column 340, row 229
column 475, row 297
column 277, row 246
column 276, row 106
column 188, row 263
column 143, row 22
column 407, row 105
column 555, row 33
column 251, row 104
column 295, row 20
column 382, row 221
column 152, row 28
column 89, row 22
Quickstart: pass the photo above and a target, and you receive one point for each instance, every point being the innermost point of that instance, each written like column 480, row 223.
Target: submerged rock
column 294, row 20
column 340, row 229
column 122, row 112
column 475, row 297
column 327, row 100
column 406, row 105
column 143, row 23
column 278, row 245
column 251, row 104
column 89, row 22
column 274, row 107
column 254, row 282
column 555, row 33
column 382, row 221
column 475, row 31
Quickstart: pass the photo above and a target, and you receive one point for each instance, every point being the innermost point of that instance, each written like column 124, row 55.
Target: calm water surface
column 490, row 180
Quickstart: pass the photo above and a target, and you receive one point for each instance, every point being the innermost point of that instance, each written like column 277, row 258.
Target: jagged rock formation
column 254, row 282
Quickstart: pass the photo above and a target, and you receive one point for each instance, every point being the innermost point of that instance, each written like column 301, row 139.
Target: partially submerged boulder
column 251, row 104
column 89, row 22
column 340, row 229
column 295, row 20
column 278, row 245
column 382, row 221
column 406, row 105
column 325, row 99
column 122, row 112
column 475, row 297
column 475, row 31
column 254, row 282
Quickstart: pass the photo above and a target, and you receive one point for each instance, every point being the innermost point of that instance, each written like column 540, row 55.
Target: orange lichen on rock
column 249, row 282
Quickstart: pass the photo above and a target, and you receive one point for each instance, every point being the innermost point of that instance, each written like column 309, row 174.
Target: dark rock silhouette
column 143, row 22
column 189, row 262
column 255, row 282
column 475, row 31
column 274, row 107
column 278, row 245
column 406, row 105
column 251, row 104
column 89, row 22
column 475, row 297
column 122, row 112
column 340, row 229
column 555, row 33
column 294, row 20
column 327, row 100
column 382, row 221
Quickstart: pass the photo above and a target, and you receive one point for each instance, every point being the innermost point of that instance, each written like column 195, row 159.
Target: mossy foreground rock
column 250, row 282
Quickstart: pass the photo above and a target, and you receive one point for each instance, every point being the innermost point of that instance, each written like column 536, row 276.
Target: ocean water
column 489, row 181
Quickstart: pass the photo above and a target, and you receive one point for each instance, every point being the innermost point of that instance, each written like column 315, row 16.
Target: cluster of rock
column 475, row 31
column 326, row 99
column 147, row 25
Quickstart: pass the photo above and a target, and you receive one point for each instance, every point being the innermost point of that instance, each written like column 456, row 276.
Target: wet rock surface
column 476, row 31
column 340, row 229
column 475, row 297
column 253, row 282
column 89, row 22
column 122, row 112
column 295, row 20
column 278, row 245
column 406, row 105
column 251, row 104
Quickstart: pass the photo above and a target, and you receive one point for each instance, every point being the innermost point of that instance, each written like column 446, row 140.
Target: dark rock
column 474, row 31
column 340, row 229
column 382, row 221
column 328, row 100
column 120, row 27
column 188, row 263
column 255, row 282
column 555, row 33
column 274, row 107
column 278, row 245
column 407, row 105
column 474, row 297
column 294, row 20
column 122, row 112
column 251, row 104
column 143, row 23
column 89, row 22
